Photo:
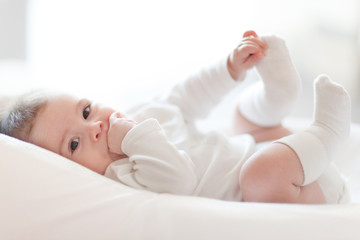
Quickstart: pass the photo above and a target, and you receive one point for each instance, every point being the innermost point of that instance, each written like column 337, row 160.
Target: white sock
column 267, row 102
column 332, row 116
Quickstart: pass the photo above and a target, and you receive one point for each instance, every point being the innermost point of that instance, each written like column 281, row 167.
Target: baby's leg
column 286, row 170
column 260, row 134
column 265, row 103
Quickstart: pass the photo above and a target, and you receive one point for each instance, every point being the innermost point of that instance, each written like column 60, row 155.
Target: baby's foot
column 277, row 71
column 267, row 102
column 316, row 145
column 332, row 107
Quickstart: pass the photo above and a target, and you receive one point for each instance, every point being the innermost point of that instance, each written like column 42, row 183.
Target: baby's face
column 76, row 129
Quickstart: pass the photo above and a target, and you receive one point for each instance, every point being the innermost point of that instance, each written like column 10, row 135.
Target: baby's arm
column 250, row 50
column 153, row 163
column 201, row 92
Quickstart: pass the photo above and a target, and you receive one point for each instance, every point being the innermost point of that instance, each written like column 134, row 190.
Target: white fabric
column 45, row 196
column 154, row 163
column 310, row 150
column 170, row 155
column 331, row 125
column 180, row 159
column 267, row 102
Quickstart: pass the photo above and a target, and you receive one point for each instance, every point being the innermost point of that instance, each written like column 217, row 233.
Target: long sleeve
column 154, row 163
column 201, row 92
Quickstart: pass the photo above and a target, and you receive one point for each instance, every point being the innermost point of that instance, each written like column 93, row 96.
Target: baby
column 157, row 147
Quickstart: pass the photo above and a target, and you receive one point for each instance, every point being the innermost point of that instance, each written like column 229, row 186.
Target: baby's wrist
column 236, row 73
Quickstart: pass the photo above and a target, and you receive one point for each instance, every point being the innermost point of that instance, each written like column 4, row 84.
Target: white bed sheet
column 44, row 196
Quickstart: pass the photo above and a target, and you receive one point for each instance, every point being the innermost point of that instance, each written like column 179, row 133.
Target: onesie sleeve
column 153, row 162
column 201, row 92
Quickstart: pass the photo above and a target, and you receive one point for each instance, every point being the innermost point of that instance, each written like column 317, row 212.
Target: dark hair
column 17, row 113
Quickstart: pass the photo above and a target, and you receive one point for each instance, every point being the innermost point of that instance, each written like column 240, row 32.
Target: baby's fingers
column 253, row 41
column 250, row 33
column 113, row 117
column 247, row 50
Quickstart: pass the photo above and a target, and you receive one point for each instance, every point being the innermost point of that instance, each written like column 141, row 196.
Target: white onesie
column 168, row 154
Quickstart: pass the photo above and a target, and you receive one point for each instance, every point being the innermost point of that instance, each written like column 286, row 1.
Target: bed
column 45, row 196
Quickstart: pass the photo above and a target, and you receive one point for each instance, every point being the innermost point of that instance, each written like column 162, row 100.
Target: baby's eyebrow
column 80, row 103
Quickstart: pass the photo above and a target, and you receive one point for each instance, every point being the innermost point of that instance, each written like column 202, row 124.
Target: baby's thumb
column 113, row 117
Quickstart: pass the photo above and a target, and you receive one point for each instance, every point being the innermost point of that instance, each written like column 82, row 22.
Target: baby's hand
column 250, row 50
column 118, row 129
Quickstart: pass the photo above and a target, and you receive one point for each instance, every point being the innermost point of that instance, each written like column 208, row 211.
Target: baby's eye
column 86, row 112
column 74, row 144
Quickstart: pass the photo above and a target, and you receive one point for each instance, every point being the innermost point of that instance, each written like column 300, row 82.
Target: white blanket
column 45, row 196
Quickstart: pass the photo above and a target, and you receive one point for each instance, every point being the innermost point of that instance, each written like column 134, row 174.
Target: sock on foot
column 267, row 102
column 331, row 126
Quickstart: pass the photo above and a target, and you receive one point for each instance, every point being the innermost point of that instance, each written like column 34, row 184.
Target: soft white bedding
column 44, row 196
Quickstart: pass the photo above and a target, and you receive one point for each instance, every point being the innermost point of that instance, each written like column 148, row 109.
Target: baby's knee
column 260, row 181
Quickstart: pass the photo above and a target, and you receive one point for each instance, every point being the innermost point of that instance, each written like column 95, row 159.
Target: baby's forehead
column 63, row 97
column 59, row 103
column 51, row 120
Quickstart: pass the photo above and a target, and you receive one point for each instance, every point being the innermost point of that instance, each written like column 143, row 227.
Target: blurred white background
column 126, row 51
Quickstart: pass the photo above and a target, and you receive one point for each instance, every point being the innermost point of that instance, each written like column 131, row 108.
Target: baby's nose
column 96, row 130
